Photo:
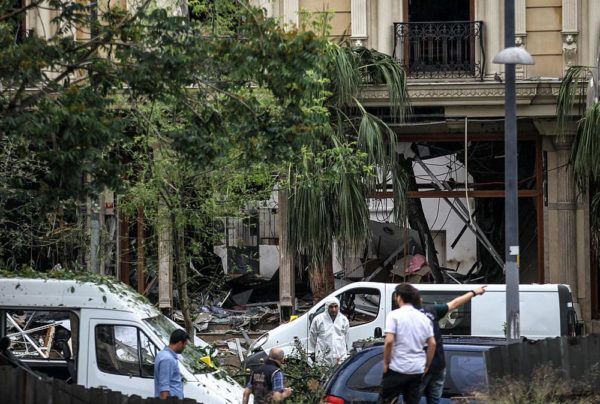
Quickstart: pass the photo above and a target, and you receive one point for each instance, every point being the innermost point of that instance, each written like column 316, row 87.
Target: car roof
column 464, row 342
column 472, row 340
column 74, row 294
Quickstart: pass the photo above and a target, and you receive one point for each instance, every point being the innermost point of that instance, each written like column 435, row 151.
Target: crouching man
column 266, row 382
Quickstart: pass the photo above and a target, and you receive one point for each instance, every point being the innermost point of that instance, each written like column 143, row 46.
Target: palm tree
column 353, row 158
column 586, row 147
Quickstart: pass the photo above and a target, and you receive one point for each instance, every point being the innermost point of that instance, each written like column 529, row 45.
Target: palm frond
column 378, row 141
column 352, row 214
column 567, row 94
column 309, row 215
column 379, row 68
column 346, row 77
column 595, row 213
column 586, row 148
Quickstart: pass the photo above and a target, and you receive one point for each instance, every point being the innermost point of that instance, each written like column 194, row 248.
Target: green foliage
column 586, row 146
column 354, row 157
column 307, row 379
column 227, row 97
column 570, row 91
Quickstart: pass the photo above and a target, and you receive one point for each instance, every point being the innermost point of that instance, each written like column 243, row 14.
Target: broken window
column 361, row 306
column 45, row 340
column 456, row 322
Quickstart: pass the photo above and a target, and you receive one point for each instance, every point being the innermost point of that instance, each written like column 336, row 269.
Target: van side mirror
column 378, row 333
column 310, row 317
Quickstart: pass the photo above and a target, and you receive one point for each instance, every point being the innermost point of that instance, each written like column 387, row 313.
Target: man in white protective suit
column 328, row 338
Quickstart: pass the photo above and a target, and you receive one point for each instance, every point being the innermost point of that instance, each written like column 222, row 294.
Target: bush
column 306, row 378
column 545, row 386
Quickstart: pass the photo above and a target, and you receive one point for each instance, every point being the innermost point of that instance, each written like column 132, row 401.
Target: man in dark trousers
column 432, row 385
column 167, row 378
column 407, row 331
column 266, row 382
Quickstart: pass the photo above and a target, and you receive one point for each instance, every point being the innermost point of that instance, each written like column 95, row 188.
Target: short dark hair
column 408, row 293
column 178, row 335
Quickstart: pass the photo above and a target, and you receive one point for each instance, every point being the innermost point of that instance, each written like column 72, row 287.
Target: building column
column 566, row 206
column 287, row 277
column 570, row 32
column 385, row 26
column 359, row 22
column 593, row 32
column 290, row 13
column 266, row 5
column 492, row 17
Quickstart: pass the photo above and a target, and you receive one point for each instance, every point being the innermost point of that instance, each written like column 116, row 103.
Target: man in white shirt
column 407, row 331
column 328, row 338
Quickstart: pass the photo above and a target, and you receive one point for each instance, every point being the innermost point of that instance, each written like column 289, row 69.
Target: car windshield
column 163, row 327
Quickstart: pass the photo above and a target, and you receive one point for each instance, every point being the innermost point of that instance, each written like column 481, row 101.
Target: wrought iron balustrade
column 446, row 49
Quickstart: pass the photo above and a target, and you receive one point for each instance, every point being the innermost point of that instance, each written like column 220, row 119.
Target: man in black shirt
column 267, row 382
column 432, row 385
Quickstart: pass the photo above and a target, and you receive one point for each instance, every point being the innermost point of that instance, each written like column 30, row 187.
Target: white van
column 546, row 311
column 98, row 335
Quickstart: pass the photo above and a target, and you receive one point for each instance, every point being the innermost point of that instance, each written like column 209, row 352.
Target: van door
column 364, row 308
column 121, row 357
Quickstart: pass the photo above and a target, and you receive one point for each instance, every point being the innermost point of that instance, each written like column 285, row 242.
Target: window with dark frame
column 124, row 350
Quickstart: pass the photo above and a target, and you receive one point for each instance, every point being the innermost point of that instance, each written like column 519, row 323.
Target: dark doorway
column 440, row 39
column 436, row 10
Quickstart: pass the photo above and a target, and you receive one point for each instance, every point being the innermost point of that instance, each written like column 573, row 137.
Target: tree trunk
column 417, row 221
column 321, row 280
column 182, row 277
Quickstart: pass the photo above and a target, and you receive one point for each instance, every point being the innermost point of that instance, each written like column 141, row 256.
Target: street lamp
column 509, row 57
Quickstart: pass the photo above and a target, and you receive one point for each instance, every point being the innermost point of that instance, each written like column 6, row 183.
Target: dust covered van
column 546, row 311
column 100, row 333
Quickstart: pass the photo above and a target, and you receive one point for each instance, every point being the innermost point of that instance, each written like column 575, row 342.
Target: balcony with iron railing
column 440, row 50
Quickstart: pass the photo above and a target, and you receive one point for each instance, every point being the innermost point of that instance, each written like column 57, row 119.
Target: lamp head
column 515, row 55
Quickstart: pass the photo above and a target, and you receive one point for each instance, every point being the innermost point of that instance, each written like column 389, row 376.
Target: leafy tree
column 73, row 103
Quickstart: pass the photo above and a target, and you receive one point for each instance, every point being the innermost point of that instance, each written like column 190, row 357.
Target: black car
column 357, row 379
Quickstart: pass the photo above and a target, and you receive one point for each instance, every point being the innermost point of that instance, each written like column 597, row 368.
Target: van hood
column 220, row 387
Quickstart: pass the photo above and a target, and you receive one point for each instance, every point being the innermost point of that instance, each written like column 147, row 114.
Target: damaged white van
column 546, row 311
column 98, row 335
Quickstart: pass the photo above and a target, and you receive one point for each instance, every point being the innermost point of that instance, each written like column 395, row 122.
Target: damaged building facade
column 457, row 125
column 453, row 139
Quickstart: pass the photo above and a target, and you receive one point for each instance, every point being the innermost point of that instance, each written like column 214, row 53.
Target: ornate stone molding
column 561, row 140
column 466, row 93
column 569, row 48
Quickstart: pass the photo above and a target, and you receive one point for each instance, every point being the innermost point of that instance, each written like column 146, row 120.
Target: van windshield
column 163, row 327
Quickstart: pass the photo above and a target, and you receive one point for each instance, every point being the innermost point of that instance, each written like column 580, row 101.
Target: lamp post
column 509, row 57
